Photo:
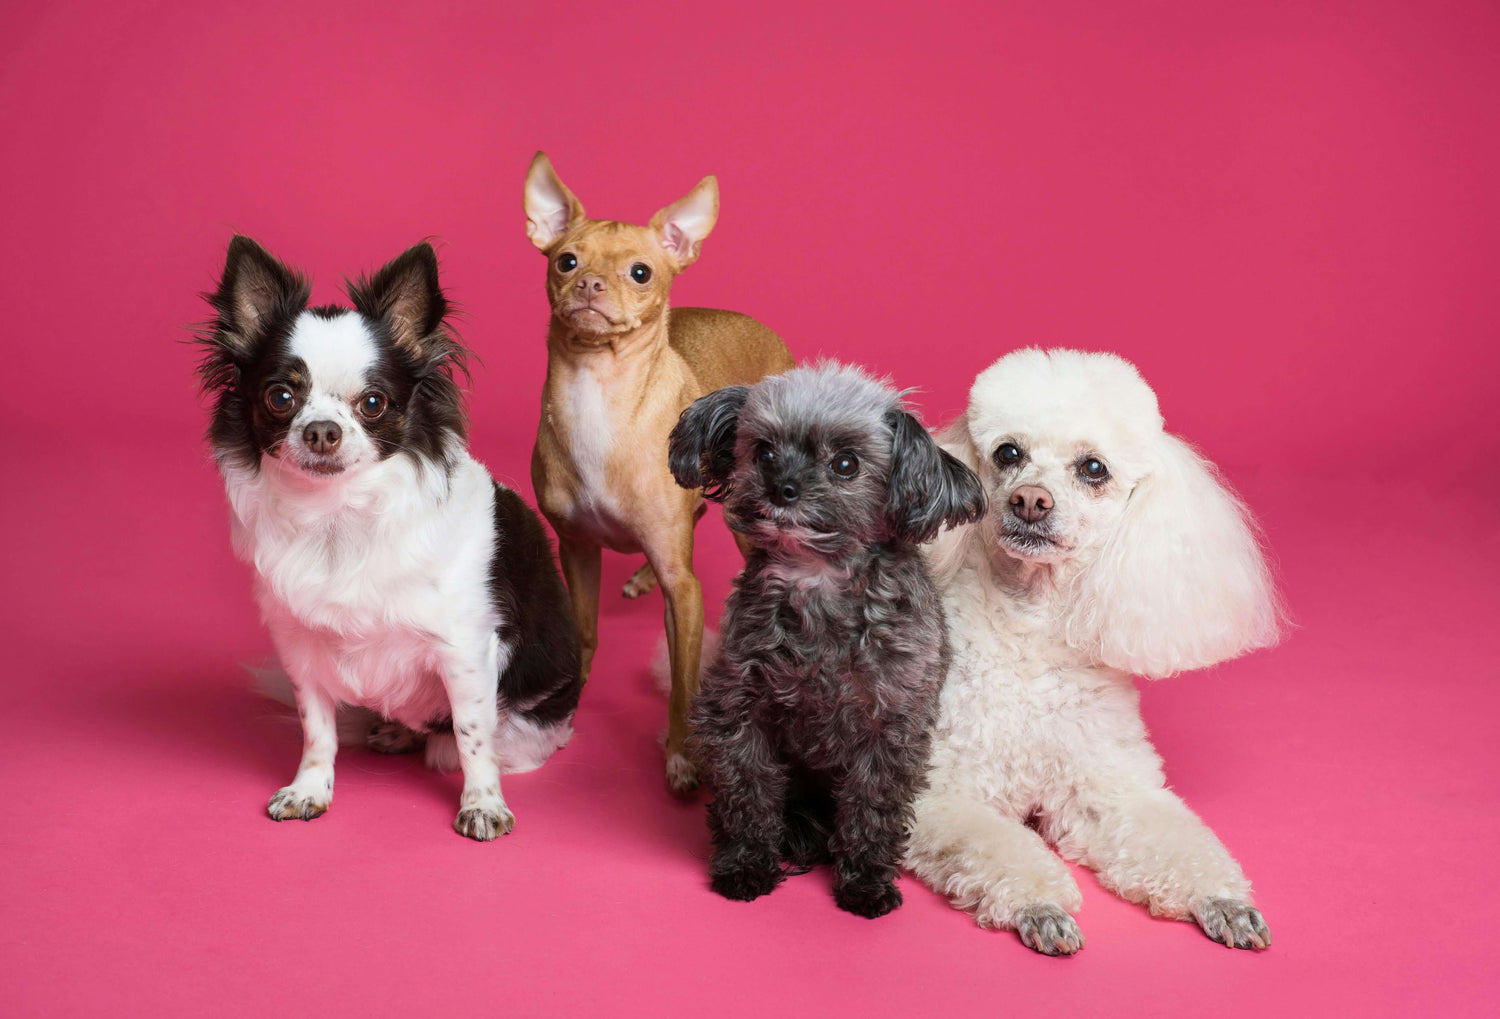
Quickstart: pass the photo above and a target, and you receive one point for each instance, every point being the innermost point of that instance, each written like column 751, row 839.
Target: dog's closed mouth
column 1028, row 541
column 324, row 467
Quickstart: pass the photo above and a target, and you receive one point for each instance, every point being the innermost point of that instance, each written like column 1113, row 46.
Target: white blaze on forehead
column 338, row 352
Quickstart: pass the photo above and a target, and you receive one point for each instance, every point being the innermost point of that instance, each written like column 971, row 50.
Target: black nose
column 1031, row 503
column 784, row 493
column 322, row 436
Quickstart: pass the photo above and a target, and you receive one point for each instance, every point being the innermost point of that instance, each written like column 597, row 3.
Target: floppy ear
column 954, row 545
column 929, row 487
column 255, row 290
column 550, row 207
column 405, row 295
column 700, row 450
column 682, row 226
column 1182, row 583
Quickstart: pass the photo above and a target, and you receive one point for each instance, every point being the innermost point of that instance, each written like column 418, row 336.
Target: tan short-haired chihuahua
column 622, row 364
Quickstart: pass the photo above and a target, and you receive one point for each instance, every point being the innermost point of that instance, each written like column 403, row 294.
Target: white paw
column 1048, row 929
column 485, row 819
column 299, row 803
column 682, row 774
column 1233, row 923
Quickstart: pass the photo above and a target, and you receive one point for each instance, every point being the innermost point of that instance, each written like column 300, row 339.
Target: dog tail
column 661, row 661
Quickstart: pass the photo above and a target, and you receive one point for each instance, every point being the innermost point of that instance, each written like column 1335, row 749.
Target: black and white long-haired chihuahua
column 394, row 575
column 813, row 721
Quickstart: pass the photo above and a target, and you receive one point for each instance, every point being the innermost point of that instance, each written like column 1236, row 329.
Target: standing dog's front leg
column 311, row 790
column 582, row 568
column 683, row 595
column 473, row 691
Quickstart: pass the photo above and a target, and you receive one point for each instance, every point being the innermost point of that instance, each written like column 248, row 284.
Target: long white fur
column 1158, row 572
column 374, row 586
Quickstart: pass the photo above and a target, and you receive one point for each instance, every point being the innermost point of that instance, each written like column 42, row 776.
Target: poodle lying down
column 1109, row 549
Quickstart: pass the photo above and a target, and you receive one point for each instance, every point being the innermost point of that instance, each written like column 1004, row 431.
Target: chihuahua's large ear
column 1181, row 583
column 254, row 291
column 700, row 450
column 929, row 487
column 550, row 207
column 682, row 226
column 406, row 296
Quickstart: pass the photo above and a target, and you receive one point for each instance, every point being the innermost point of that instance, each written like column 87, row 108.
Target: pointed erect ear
column 700, row 450
column 682, row 226
column 405, row 296
column 929, row 487
column 550, row 207
column 255, row 289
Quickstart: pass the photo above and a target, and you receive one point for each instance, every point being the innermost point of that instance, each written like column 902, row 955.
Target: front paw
column 743, row 877
column 485, row 823
column 295, row 804
column 1048, row 929
column 1233, row 923
column 867, row 898
column 682, row 774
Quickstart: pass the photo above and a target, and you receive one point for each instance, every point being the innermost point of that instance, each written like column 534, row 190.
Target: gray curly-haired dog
column 813, row 720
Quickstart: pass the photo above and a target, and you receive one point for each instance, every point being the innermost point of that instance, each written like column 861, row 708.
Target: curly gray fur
column 813, row 721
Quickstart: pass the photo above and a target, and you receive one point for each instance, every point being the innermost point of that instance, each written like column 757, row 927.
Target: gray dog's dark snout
column 322, row 436
column 784, row 492
column 1031, row 503
column 591, row 284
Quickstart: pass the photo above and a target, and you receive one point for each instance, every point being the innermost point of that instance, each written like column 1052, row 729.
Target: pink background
column 1285, row 213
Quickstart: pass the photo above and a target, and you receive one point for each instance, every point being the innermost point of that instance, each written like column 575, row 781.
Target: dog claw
column 1048, row 929
column 484, row 824
column 291, row 804
column 1233, row 923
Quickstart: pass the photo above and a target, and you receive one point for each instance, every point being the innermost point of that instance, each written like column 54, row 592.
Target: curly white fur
column 1153, row 570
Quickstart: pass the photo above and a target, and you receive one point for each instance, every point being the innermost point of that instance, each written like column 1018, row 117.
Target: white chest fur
column 367, row 583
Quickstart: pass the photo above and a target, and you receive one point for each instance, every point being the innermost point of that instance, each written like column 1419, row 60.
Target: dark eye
column 567, row 262
column 372, row 406
column 280, row 400
column 640, row 272
column 765, row 454
column 1008, row 453
column 845, row 465
column 1093, row 470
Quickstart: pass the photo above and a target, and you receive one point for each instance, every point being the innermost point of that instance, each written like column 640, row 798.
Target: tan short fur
column 621, row 367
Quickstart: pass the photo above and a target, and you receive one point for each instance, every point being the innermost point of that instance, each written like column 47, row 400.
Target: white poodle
column 1110, row 548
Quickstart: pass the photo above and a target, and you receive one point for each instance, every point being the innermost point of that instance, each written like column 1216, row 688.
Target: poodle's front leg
column 994, row 867
column 1148, row 847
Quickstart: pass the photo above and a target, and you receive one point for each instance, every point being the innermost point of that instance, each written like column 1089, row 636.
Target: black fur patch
column 545, row 670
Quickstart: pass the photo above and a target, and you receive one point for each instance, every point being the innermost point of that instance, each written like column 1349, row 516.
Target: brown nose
column 322, row 436
column 590, row 284
column 1031, row 503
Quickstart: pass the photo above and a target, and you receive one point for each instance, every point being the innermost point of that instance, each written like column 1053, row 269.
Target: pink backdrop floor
column 1285, row 214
